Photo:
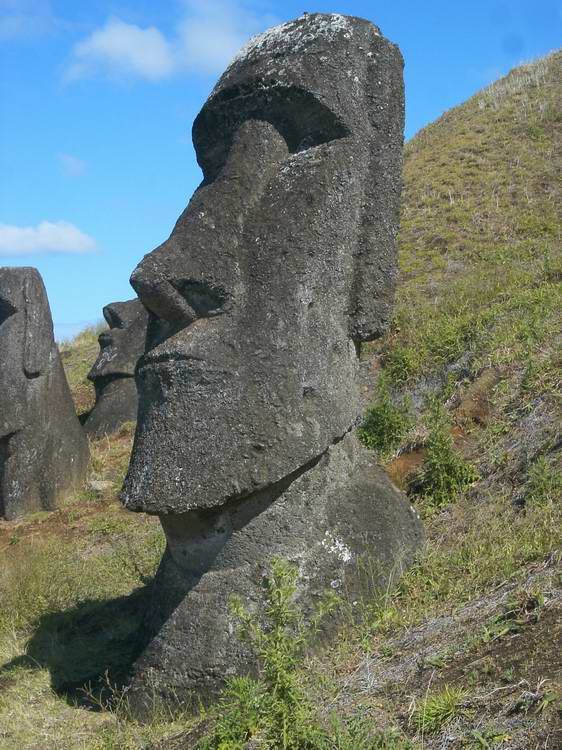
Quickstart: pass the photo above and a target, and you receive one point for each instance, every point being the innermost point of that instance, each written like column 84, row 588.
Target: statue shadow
column 88, row 649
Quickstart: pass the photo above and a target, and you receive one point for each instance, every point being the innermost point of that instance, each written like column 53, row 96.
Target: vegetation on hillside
column 464, row 652
column 78, row 356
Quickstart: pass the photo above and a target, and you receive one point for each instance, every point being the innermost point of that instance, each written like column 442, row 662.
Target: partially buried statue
column 44, row 453
column 114, row 370
column 282, row 264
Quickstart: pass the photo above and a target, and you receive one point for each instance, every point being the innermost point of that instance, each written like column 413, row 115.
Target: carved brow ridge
column 301, row 118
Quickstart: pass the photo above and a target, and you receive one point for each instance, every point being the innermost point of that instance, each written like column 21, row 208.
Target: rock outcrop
column 113, row 373
column 44, row 453
column 282, row 264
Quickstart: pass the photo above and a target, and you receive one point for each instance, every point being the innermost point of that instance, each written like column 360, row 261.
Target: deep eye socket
column 297, row 114
column 6, row 310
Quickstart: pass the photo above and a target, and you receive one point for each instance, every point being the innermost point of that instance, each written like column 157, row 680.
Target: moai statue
column 282, row 264
column 44, row 453
column 113, row 373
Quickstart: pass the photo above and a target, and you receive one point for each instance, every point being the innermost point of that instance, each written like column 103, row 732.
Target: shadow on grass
column 88, row 649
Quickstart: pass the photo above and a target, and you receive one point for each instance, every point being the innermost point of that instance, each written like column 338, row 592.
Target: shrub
column 357, row 733
column 274, row 707
column 386, row 423
column 444, row 472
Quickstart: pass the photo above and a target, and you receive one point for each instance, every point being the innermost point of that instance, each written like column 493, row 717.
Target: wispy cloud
column 205, row 39
column 25, row 18
column 46, row 237
column 213, row 31
column 71, row 165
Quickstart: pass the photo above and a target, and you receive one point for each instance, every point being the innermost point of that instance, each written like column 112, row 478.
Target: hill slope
column 466, row 652
column 477, row 327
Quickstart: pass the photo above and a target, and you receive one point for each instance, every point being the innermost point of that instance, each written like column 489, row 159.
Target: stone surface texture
column 282, row 264
column 113, row 373
column 44, row 452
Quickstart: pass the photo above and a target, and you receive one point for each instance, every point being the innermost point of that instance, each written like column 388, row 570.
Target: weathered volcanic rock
column 282, row 264
column 113, row 373
column 335, row 519
column 43, row 450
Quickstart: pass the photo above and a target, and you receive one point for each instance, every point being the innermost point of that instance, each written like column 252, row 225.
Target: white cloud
column 205, row 40
column 71, row 165
column 46, row 237
column 24, row 18
column 120, row 47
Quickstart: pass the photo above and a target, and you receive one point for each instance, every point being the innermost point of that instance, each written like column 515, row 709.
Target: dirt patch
column 400, row 468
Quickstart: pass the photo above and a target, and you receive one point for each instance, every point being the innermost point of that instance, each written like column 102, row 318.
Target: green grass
column 444, row 473
column 438, row 709
column 480, row 247
column 471, row 549
column 78, row 355
column 386, row 422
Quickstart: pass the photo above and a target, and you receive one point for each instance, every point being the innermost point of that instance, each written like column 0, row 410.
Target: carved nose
column 162, row 299
column 176, row 283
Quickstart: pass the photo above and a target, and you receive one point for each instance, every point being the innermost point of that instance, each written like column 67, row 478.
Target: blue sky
column 97, row 98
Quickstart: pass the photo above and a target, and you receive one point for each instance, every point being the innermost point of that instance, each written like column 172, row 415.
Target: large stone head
column 280, row 266
column 26, row 343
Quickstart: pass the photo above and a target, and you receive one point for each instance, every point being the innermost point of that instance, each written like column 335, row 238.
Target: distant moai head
column 26, row 342
column 123, row 344
column 43, row 451
column 113, row 371
column 281, row 265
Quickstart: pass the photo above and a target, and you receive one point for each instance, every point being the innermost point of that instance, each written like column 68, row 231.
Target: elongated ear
column 39, row 339
column 376, row 260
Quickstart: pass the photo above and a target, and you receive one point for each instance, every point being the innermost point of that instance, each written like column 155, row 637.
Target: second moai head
column 43, row 450
column 113, row 373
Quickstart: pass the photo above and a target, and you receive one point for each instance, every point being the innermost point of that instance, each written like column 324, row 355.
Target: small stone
column 99, row 486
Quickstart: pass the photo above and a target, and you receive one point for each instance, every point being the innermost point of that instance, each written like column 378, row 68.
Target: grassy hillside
column 466, row 652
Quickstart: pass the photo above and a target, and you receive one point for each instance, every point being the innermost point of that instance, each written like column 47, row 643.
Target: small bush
column 386, row 423
column 439, row 709
column 444, row 472
column 275, row 707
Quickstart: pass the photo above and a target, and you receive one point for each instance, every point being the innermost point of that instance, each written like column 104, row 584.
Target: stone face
column 43, row 450
column 113, row 373
column 282, row 264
